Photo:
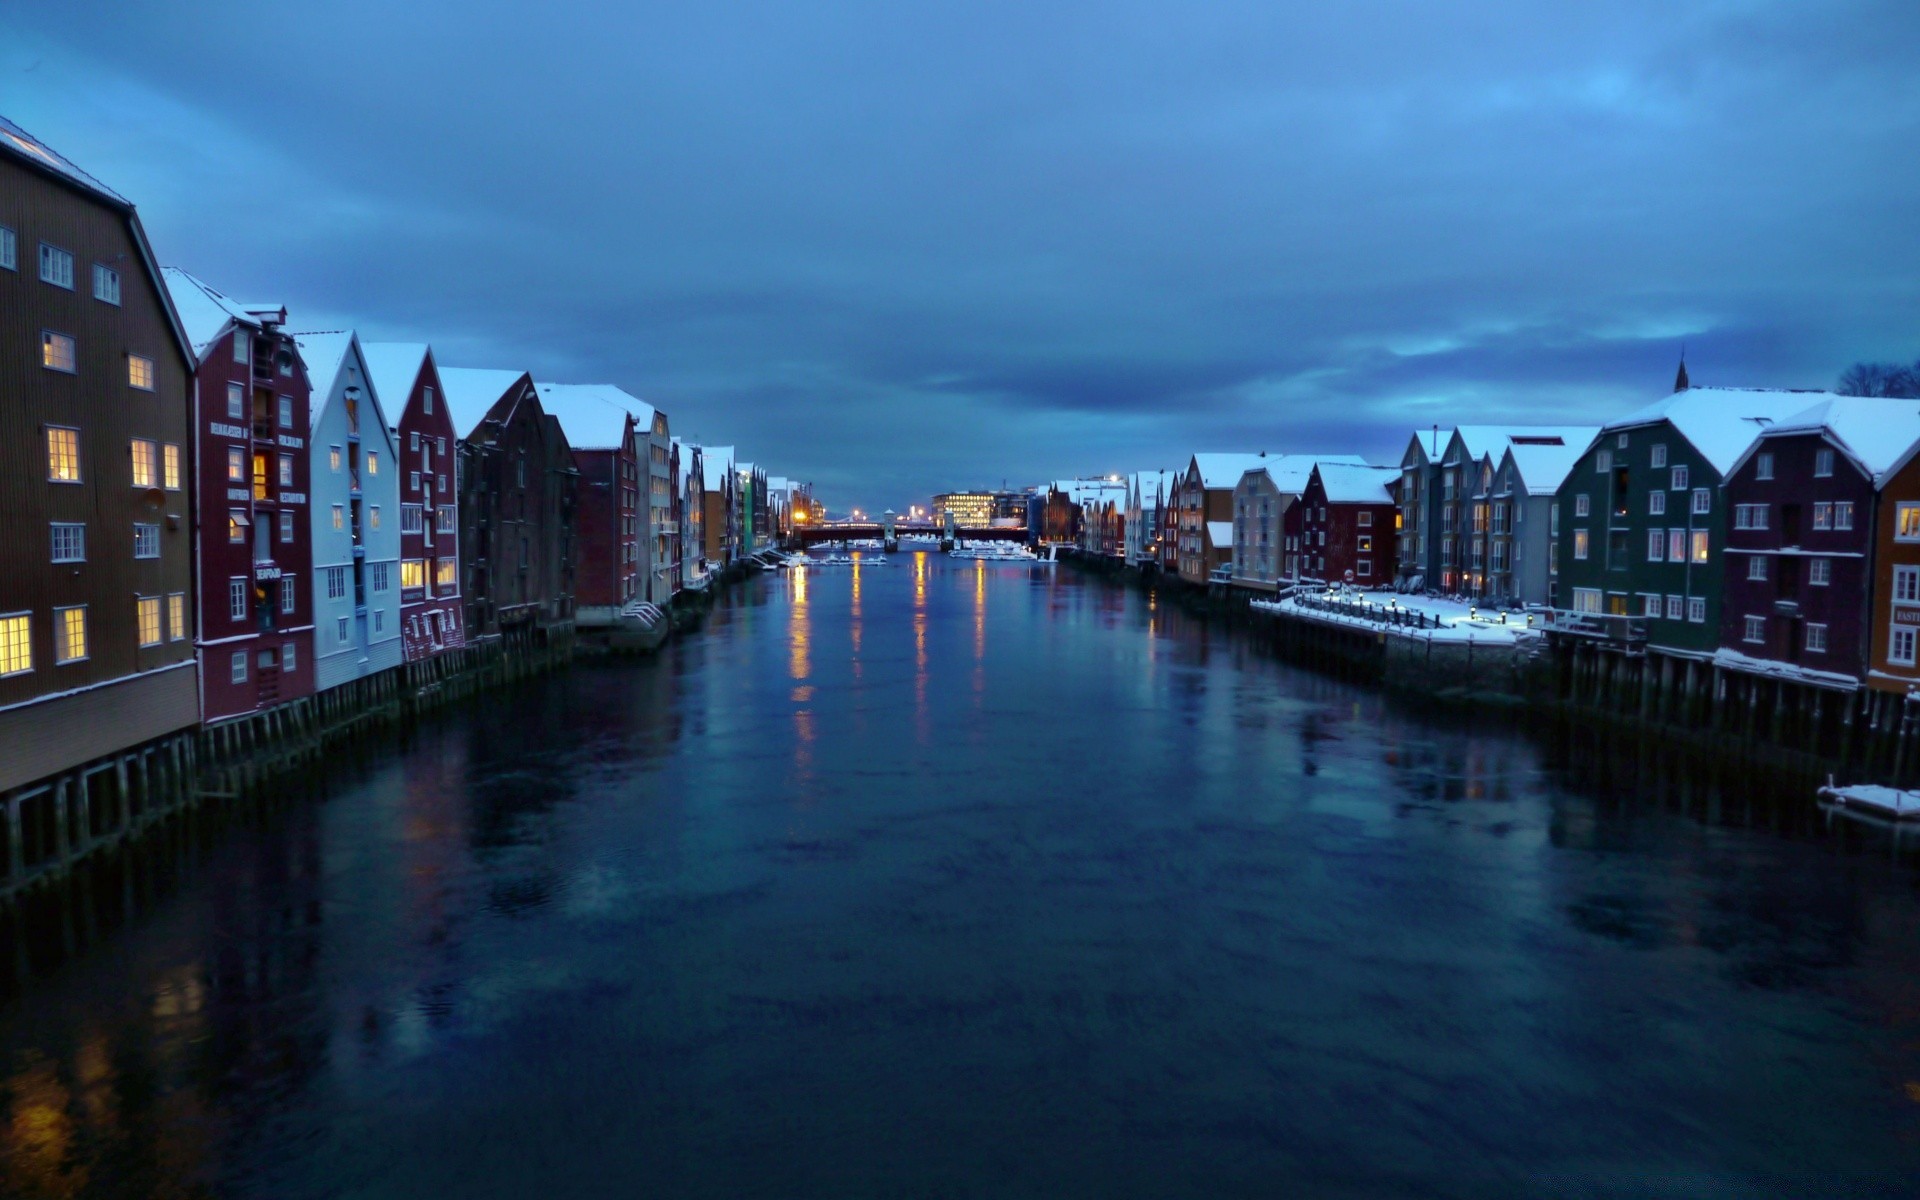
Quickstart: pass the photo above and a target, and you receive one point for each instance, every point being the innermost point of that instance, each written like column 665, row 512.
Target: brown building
column 1204, row 513
column 517, row 488
column 1893, row 631
column 96, row 582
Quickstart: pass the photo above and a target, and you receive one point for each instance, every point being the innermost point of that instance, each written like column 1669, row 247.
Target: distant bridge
column 856, row 531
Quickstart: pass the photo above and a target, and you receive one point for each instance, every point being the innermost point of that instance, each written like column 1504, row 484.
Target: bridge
column 856, row 531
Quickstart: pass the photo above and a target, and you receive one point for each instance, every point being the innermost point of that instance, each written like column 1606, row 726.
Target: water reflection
column 1152, row 916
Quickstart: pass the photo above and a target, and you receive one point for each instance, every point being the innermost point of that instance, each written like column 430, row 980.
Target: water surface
column 945, row 880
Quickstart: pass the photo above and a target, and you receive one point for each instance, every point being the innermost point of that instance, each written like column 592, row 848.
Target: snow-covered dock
column 1894, row 804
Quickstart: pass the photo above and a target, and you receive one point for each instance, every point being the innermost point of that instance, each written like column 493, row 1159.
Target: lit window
column 373, row 516
column 58, row 353
column 236, row 465
column 56, row 266
column 140, row 372
column 170, row 467
column 69, row 543
column 446, row 572
column 373, row 463
column 1843, row 514
column 411, row 518
column 237, row 526
column 1822, row 463
column 1757, row 567
column 146, row 467
column 1756, row 630
column 177, row 616
column 1699, row 545
column 339, row 516
column 237, row 599
column 443, row 518
column 147, row 609
column 106, row 284
column 1580, row 544
column 69, row 634
column 16, row 643
column 1906, row 526
column 413, row 573
column 63, row 454
column 1586, row 600
column 333, row 458
column 146, row 541
column 9, row 253
column 1817, row 638
column 238, row 671
column 1763, row 465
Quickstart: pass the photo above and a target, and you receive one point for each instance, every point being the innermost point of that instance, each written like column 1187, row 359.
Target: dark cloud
column 892, row 248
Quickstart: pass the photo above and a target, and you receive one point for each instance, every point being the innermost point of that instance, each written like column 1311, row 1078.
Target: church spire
column 1680, row 383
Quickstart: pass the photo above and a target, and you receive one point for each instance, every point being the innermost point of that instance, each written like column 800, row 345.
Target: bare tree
column 1880, row 379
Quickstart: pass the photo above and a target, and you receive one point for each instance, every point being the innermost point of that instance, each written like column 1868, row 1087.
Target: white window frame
column 140, row 619
column 1906, row 521
column 1676, row 608
column 237, row 597
column 1702, row 500
column 79, row 473
column 176, row 616
column 1819, row 572
column 1755, row 632
column 1763, row 464
column 1697, row 610
column 1823, row 462
column 1657, row 457
column 170, row 461
column 10, row 261
column 149, row 532
column 138, row 365
column 52, row 339
column 1582, row 505
column 1656, row 544
column 76, row 531
column 289, row 595
column 1906, row 585
column 106, row 284
column 237, row 668
column 60, row 635
column 1679, row 478
column 236, row 402
column 1842, row 515
column 1656, row 503
column 1901, row 636
column 61, row 263
column 1816, row 645
column 1757, row 567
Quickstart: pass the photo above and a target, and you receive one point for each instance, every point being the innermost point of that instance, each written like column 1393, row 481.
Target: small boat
column 1894, row 804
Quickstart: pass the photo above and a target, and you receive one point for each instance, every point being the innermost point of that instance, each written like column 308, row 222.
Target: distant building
column 1146, row 500
column 432, row 611
column 611, row 540
column 1205, row 512
column 1421, row 493
column 1264, row 552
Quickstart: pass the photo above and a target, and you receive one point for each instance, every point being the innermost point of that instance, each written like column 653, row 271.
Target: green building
column 1637, row 526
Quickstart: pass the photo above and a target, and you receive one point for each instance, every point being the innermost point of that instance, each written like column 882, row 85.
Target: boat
column 1894, row 804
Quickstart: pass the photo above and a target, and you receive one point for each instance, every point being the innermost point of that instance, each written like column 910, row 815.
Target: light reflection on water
column 1038, row 889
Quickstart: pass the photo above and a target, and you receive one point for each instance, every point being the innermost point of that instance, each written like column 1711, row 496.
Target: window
column 242, row 348
column 288, row 596
column 1697, row 610
column 339, row 516
column 1581, row 505
column 1843, row 514
column 382, row 575
column 56, row 266
column 1586, row 600
column 1365, row 520
column 140, row 372
column 413, row 480
column 443, row 518
column 1656, row 544
column 1659, row 455
column 170, row 467
column 1750, row 516
column 446, row 572
column 58, row 352
column 1757, row 567
column 1822, row 463
column 286, row 470
column 426, row 401
column 10, row 259
column 106, row 284
column 69, row 634
column 146, row 541
column 16, row 643
column 237, row 599
column 286, row 657
column 69, row 543
column 1553, row 519
column 340, row 630
column 379, row 620
column 146, row 466
column 1580, row 545
column 411, row 518
column 336, row 582
column 238, row 672
column 1763, row 465
column 1756, row 629
column 1680, row 478
column 1819, row 572
column 1553, row 558
column 1816, row 639
column 1703, row 501
column 1603, row 462
column 1676, row 607
column 333, row 458
column 373, row 516
column 373, row 463
column 236, row 465
column 236, row 402
column 1657, row 504
column 63, row 454
column 1362, row 567
column 286, row 528
column 147, row 613
column 1900, row 646
column 1700, row 546
column 413, row 573
column 1906, row 526
column 237, row 526
column 177, row 616
column 1906, row 584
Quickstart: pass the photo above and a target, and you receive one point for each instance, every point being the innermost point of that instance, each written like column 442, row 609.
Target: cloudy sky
column 893, row 248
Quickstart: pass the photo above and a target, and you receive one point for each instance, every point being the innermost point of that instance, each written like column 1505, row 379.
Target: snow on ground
column 1459, row 621
column 1891, row 801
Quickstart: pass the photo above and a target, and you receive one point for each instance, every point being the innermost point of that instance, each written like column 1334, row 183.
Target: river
column 939, row 879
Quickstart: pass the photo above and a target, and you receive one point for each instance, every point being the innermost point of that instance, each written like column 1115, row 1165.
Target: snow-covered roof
column 1150, row 486
column 24, row 145
column 1347, row 483
column 471, row 392
column 1224, row 470
column 1092, row 491
column 394, row 368
column 715, row 462
column 205, row 313
column 1720, row 423
column 1481, row 441
column 1432, row 442
column 1290, row 472
column 594, row 414
column 1544, row 467
column 1877, row 433
column 326, row 355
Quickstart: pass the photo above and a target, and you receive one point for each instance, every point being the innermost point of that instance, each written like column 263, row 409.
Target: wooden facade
column 94, row 405
column 1346, row 525
column 608, row 444
column 432, row 613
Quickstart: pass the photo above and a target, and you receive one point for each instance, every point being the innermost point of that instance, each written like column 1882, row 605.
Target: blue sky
column 898, row 248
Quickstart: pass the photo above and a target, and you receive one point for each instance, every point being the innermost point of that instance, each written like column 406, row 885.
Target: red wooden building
column 432, row 610
column 609, row 442
column 1346, row 525
column 251, row 465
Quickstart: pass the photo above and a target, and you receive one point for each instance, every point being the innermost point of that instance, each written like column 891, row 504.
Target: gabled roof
column 1878, row 434
column 1720, row 423
column 594, row 414
column 473, row 391
column 1346, row 483
column 394, row 368
column 325, row 354
column 1429, row 444
column 1224, row 470
column 1149, row 486
column 1481, row 441
column 30, row 149
column 716, row 462
column 1290, row 472
column 1091, row 491
column 1543, row 468
column 205, row 313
